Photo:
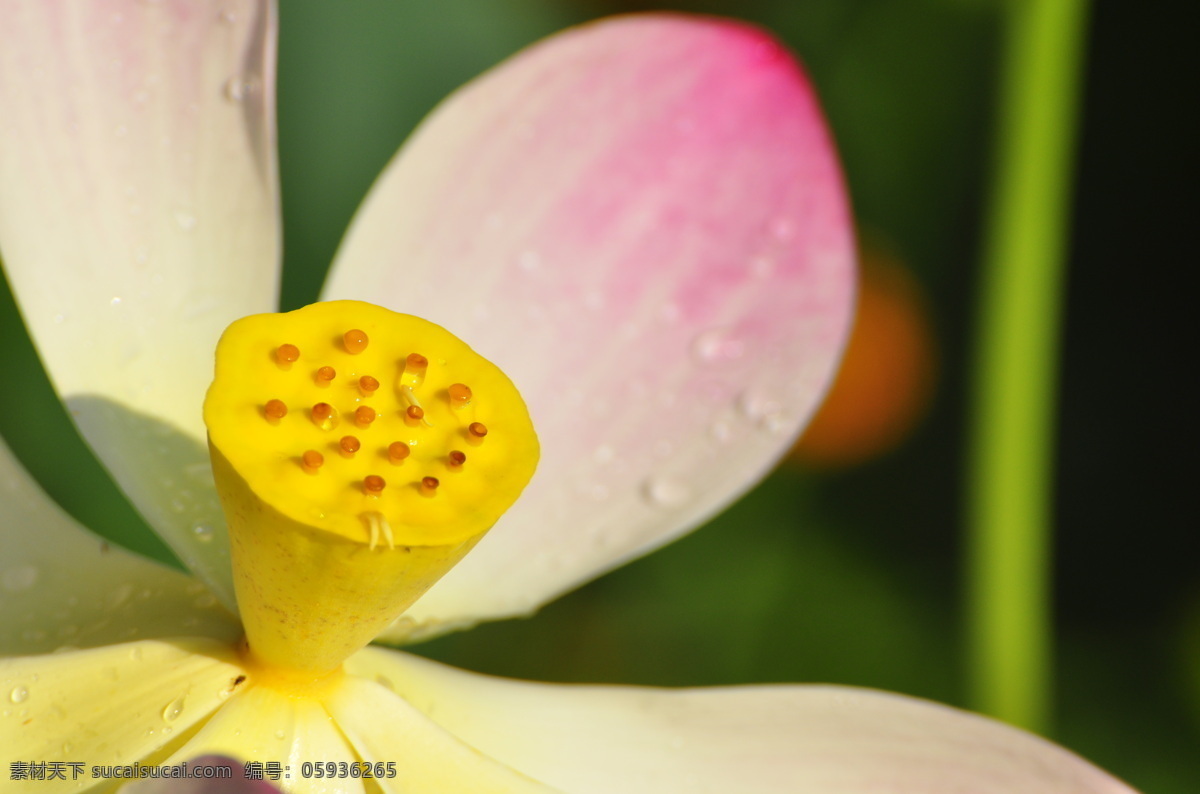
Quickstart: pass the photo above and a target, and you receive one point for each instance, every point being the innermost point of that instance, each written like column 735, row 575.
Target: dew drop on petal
column 203, row 533
column 173, row 709
column 239, row 87
column 185, row 220
column 783, row 228
column 529, row 261
column 762, row 266
column 666, row 492
column 18, row 578
column 19, row 694
column 717, row 344
column 775, row 424
column 754, row 405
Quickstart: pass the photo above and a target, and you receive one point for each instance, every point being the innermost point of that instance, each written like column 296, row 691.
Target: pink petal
column 138, row 218
column 642, row 221
column 762, row 739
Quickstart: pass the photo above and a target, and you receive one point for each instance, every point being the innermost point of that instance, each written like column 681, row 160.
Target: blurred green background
column 851, row 576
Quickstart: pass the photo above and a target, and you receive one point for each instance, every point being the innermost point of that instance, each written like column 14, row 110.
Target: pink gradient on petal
column 642, row 220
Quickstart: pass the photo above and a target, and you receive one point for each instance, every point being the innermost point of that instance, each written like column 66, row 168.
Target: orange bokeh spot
column 887, row 375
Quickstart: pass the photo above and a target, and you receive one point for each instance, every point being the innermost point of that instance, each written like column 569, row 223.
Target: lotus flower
column 640, row 220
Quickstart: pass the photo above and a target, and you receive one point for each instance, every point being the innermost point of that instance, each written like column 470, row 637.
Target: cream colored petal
column 113, row 705
column 263, row 725
column 385, row 728
column 642, row 220
column 60, row 585
column 766, row 739
column 138, row 218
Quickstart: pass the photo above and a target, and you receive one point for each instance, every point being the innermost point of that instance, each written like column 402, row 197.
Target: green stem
column 1011, row 477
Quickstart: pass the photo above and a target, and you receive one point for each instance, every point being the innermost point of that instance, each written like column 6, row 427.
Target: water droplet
column 18, row 578
column 185, row 220
column 173, row 709
column 280, row 734
column 227, row 17
column 206, row 601
column 239, row 87
column 755, row 406
column 120, row 595
column 666, row 492
column 19, row 694
column 775, row 424
column 59, row 318
column 529, row 261
column 135, row 653
column 67, row 747
column 762, row 266
column 717, row 344
column 203, row 533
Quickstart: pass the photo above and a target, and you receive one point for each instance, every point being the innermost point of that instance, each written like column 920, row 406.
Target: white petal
column 263, row 725
column 642, row 221
column 111, row 705
column 768, row 739
column 138, row 218
column 60, row 585
column 386, row 728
